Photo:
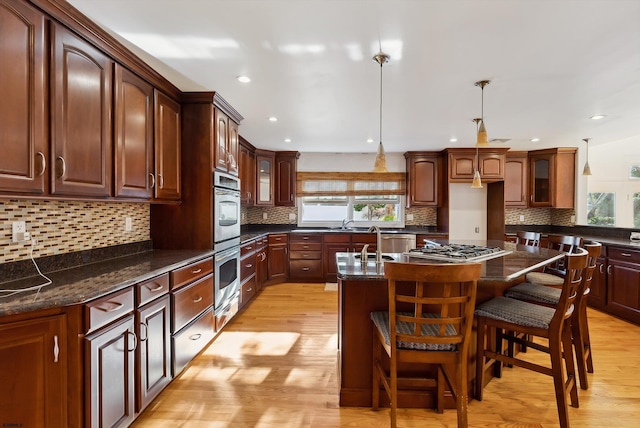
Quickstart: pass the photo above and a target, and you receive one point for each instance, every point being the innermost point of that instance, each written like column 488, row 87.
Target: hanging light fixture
column 482, row 132
column 587, row 168
column 477, row 182
column 380, row 164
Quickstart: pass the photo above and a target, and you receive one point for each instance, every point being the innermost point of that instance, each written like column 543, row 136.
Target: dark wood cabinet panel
column 233, row 148
column 462, row 164
column 33, row 369
column 153, row 365
column 423, row 169
column 305, row 257
column 133, row 111
column 81, row 128
column 278, row 257
column 286, row 176
column 247, row 172
column 262, row 265
column 598, row 295
column 167, row 147
column 110, row 384
column 187, row 343
column 221, row 139
column 623, row 283
column 265, row 161
column 552, row 177
column 189, row 302
column 23, row 112
column 516, row 179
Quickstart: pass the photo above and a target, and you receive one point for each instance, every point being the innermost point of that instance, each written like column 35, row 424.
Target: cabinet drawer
column 279, row 238
column 304, row 246
column 623, row 254
column 191, row 340
column 190, row 301
column 108, row 309
column 305, row 255
column 149, row 290
column 185, row 275
column 247, row 267
column 305, row 237
column 337, row 237
column 248, row 248
column 305, row 269
column 247, row 291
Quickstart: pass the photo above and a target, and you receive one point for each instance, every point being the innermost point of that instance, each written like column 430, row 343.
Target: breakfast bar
column 362, row 289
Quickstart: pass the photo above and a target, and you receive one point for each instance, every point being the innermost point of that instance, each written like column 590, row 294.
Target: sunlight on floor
column 235, row 344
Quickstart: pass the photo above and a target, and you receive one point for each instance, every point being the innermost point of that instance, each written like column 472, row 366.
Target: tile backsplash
column 68, row 226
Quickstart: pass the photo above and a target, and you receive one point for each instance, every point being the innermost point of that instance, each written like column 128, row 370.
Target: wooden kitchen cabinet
column 423, row 169
column 25, row 148
column 226, row 143
column 598, row 295
column 278, row 257
column 167, row 148
column 623, row 283
column 265, row 182
column 338, row 242
column 247, row 172
column 262, row 263
column 462, row 164
column 516, row 179
column 133, row 111
column 81, row 127
column 305, row 257
column 248, row 267
column 552, row 177
column 286, row 176
column 33, row 369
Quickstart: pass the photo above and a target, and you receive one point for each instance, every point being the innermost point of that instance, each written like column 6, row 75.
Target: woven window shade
column 350, row 183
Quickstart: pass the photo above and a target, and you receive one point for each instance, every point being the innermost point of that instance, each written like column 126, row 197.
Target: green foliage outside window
column 636, row 210
column 601, row 209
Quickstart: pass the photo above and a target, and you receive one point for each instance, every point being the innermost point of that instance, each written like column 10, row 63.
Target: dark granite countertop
column 91, row 281
column 520, row 260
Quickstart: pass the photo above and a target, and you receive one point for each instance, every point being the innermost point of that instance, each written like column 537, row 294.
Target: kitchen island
column 362, row 289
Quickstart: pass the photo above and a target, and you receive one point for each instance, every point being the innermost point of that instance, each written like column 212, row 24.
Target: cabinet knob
column 43, row 163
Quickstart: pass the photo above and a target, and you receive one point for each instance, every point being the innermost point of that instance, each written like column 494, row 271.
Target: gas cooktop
column 457, row 253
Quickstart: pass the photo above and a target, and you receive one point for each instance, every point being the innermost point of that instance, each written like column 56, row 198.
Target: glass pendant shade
column 477, row 182
column 380, row 164
column 587, row 169
column 482, row 135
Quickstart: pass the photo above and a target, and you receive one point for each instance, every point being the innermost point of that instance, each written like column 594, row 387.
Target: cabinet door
column 423, row 181
column 154, row 351
column 264, row 180
column 167, row 147
column 23, row 112
column 598, row 296
column 262, row 268
column 540, row 184
column 221, row 140
column 247, row 176
column 515, row 181
column 624, row 290
column 232, row 148
column 462, row 166
column 286, row 166
column 491, row 166
column 278, row 263
column 33, row 369
column 81, row 99
column 134, row 135
column 109, row 355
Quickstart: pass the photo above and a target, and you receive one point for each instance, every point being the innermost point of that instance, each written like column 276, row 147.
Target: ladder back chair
column 529, row 320
column 528, row 238
column 429, row 321
column 553, row 274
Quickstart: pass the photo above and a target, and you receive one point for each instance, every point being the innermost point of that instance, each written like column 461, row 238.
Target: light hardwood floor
column 274, row 366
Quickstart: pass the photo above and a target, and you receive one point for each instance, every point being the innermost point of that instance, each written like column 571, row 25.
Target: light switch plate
column 292, row 216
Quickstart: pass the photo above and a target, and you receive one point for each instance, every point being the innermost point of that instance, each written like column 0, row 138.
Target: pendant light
column 482, row 131
column 380, row 164
column 587, row 168
column 477, row 182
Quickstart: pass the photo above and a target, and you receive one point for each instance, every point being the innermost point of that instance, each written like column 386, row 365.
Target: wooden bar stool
column 429, row 321
column 530, row 320
column 553, row 274
column 528, row 238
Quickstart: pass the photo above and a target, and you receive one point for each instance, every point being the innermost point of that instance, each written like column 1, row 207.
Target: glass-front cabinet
column 541, row 167
column 264, row 178
column 552, row 177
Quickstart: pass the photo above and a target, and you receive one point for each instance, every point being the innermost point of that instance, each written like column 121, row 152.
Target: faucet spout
column 376, row 228
column 345, row 223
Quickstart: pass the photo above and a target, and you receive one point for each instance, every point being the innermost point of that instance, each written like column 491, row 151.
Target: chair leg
column 570, row 365
column 461, row 393
column 584, row 325
column 497, row 367
column 375, row 388
column 393, row 368
column 440, row 390
column 555, row 353
column 480, row 342
column 578, row 344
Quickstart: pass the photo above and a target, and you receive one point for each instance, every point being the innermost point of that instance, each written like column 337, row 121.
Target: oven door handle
column 228, row 254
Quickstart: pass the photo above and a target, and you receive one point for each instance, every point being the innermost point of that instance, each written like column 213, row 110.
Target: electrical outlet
column 573, row 219
column 409, row 217
column 18, row 229
column 265, row 216
column 477, row 230
column 292, row 216
column 521, row 218
column 128, row 224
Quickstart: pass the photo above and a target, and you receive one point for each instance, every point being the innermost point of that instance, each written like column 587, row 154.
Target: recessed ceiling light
column 453, row 140
column 243, row 79
column 273, row 119
column 369, row 140
column 535, row 140
column 287, row 140
column 597, row 116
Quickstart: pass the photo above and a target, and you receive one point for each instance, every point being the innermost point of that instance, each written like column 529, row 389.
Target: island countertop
column 518, row 260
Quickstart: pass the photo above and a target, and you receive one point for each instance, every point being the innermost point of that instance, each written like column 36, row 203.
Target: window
column 601, row 209
column 634, row 172
column 363, row 199
column 636, row 210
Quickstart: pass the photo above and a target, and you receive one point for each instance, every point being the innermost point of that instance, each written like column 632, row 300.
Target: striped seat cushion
column 534, row 293
column 381, row 321
column 544, row 279
column 516, row 312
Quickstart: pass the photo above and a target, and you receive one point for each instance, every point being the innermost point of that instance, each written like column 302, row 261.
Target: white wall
column 467, row 210
column 352, row 162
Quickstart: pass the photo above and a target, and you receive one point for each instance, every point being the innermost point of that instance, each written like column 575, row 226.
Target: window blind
column 350, row 183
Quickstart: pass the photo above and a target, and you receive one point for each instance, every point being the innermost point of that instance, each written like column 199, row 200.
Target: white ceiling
column 552, row 64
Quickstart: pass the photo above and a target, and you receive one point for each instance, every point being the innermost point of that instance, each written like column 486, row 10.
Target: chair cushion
column 381, row 321
column 544, row 279
column 534, row 293
column 516, row 312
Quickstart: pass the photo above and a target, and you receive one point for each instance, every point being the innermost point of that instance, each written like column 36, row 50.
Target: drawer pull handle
column 146, row 331
column 64, row 167
column 625, row 254
column 197, row 299
column 195, row 336
column 609, row 270
column 601, row 269
column 248, row 266
column 158, row 287
column 306, row 247
column 248, row 248
column 305, row 269
column 196, row 271
column 43, row 164
column 135, row 341
column 249, row 290
column 56, row 349
column 115, row 306
column 305, row 237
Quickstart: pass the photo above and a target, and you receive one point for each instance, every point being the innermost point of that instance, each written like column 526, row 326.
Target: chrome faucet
column 345, row 223
column 363, row 254
column 376, row 229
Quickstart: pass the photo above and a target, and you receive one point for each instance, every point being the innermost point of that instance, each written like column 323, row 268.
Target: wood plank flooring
column 274, row 366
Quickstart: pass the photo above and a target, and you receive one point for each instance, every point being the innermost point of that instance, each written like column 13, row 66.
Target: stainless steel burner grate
column 457, row 253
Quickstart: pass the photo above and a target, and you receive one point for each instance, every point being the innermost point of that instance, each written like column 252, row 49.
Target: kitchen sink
column 372, row 256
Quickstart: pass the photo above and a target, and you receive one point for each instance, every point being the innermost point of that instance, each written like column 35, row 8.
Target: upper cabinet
column 516, row 179
column 167, row 147
column 423, row 169
column 265, row 160
column 226, row 137
column 552, row 177
column 133, row 161
column 247, row 172
column 23, row 112
column 81, row 100
column 286, row 176
column 462, row 164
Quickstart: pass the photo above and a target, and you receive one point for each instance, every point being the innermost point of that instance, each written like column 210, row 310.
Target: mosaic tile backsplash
column 68, row 226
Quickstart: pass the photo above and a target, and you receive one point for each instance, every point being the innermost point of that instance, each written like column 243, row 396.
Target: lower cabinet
column 33, row 373
column 305, row 257
column 262, row 263
column 623, row 283
column 192, row 339
column 598, row 295
column 278, row 257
